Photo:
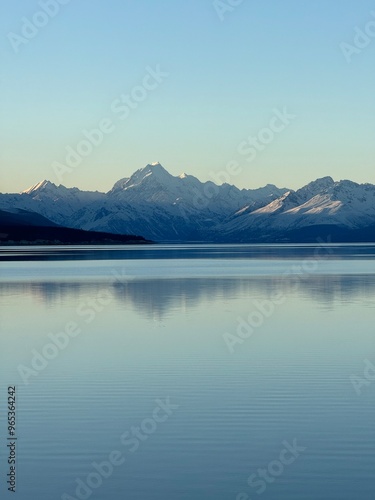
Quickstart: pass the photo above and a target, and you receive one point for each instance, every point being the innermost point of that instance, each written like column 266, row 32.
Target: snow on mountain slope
column 151, row 202
column 322, row 202
column 57, row 203
column 153, row 184
column 159, row 206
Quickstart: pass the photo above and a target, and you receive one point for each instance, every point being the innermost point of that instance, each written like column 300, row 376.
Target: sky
column 251, row 92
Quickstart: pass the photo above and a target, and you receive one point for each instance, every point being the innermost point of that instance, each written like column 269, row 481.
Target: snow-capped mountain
column 162, row 207
column 57, row 203
column 153, row 184
column 169, row 208
column 343, row 204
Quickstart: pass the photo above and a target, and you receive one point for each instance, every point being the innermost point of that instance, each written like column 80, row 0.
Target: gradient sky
column 225, row 78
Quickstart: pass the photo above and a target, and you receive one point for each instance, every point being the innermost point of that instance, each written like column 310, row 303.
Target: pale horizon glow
column 211, row 178
column 223, row 81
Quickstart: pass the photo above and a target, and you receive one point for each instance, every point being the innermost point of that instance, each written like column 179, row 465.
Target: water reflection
column 163, row 337
column 156, row 297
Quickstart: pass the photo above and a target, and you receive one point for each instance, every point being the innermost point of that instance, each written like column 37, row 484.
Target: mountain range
column 166, row 208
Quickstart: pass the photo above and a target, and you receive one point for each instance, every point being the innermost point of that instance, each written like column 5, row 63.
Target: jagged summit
column 325, row 180
column 319, row 184
column 157, row 170
column 151, row 172
column 163, row 207
column 40, row 186
column 154, row 169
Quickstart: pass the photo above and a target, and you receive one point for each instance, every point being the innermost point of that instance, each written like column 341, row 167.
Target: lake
column 195, row 372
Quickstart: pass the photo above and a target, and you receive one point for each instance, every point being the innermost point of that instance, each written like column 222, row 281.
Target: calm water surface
column 247, row 351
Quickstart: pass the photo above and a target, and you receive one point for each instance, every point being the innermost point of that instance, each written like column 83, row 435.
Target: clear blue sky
column 225, row 78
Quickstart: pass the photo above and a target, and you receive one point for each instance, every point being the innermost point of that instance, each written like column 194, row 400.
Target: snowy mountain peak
column 150, row 173
column 164, row 207
column 43, row 185
column 320, row 184
column 156, row 170
column 119, row 185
